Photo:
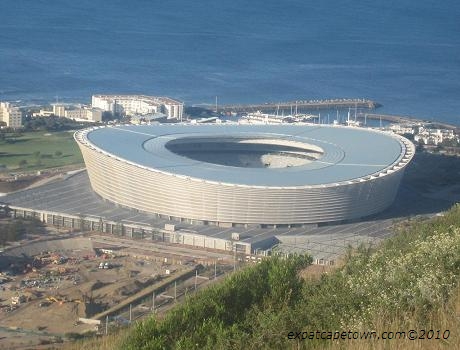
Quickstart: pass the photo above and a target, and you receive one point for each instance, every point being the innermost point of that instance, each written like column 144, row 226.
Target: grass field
column 39, row 150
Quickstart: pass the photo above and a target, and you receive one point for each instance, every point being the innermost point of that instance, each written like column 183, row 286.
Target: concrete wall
column 131, row 230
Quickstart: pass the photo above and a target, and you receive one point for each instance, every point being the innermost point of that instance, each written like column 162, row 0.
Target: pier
column 299, row 106
column 406, row 119
column 390, row 118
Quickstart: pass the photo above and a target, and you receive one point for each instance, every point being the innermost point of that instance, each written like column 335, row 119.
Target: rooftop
column 150, row 99
column 341, row 153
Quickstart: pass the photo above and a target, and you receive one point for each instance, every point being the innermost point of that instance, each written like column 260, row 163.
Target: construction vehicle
column 17, row 300
column 44, row 304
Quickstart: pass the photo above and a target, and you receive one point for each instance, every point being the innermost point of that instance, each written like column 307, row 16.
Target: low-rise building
column 78, row 113
column 434, row 136
column 10, row 115
column 84, row 114
column 402, row 129
column 148, row 118
column 265, row 118
column 43, row 113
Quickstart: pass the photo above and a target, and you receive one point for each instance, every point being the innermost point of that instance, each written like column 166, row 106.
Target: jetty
column 299, row 106
column 399, row 119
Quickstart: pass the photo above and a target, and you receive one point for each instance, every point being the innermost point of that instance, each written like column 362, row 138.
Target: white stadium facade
column 232, row 175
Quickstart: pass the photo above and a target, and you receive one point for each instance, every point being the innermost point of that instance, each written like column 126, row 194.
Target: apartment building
column 132, row 105
column 10, row 115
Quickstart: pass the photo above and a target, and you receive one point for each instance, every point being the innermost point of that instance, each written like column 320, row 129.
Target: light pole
column 234, row 256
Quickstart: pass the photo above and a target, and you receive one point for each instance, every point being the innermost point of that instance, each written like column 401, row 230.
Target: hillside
column 409, row 283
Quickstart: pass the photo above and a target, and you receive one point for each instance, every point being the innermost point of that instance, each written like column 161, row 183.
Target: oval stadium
column 232, row 175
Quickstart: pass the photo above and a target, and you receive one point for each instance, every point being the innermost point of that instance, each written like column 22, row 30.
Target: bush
column 48, row 156
column 220, row 312
column 410, row 275
column 74, row 336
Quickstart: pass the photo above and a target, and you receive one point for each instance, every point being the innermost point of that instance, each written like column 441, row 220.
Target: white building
column 43, row 113
column 139, row 105
column 265, row 118
column 434, row 136
column 59, row 110
column 402, row 129
column 10, row 115
column 84, row 114
column 79, row 113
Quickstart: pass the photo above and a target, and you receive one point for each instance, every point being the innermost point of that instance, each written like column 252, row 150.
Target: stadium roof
column 349, row 153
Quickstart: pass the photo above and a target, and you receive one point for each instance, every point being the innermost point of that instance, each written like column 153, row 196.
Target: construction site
column 63, row 285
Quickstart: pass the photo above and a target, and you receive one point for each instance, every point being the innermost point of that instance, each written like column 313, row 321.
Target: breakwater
column 406, row 119
column 299, row 106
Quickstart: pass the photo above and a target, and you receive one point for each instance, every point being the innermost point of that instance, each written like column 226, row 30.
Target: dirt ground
column 49, row 285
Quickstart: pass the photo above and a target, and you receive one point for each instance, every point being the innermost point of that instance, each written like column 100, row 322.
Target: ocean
column 403, row 54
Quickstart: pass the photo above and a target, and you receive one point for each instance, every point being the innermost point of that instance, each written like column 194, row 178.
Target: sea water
column 403, row 54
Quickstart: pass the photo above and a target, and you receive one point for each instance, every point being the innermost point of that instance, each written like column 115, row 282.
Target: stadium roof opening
column 245, row 151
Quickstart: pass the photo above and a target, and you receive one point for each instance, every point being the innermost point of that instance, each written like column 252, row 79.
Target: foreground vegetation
column 38, row 150
column 410, row 282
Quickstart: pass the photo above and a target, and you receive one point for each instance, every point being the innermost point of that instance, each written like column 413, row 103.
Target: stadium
column 243, row 175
